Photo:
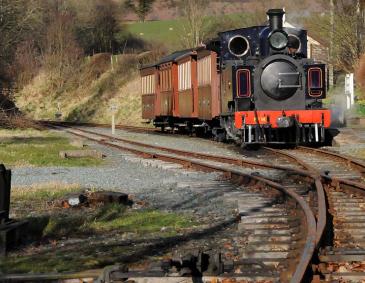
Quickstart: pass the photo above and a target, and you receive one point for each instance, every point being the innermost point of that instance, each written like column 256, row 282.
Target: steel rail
column 347, row 185
column 241, row 178
column 322, row 205
column 89, row 124
column 360, row 166
column 308, row 172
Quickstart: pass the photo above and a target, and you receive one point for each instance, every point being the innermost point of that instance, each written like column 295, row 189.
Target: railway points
column 314, row 184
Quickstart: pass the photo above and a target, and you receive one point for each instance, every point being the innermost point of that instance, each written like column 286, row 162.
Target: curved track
column 343, row 245
column 331, row 184
column 278, row 225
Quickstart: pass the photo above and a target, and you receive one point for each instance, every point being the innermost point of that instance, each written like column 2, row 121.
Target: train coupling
column 285, row 122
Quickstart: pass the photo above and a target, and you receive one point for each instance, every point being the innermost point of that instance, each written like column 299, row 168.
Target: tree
column 62, row 53
column 342, row 28
column 140, row 7
column 195, row 24
column 19, row 20
column 97, row 26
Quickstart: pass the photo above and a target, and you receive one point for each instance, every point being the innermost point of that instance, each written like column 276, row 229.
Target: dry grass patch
column 89, row 98
column 39, row 198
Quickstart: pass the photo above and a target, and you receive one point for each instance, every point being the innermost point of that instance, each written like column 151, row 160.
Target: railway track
column 277, row 232
column 342, row 253
column 331, row 184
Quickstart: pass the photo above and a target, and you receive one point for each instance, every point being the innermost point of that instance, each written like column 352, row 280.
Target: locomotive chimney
column 276, row 18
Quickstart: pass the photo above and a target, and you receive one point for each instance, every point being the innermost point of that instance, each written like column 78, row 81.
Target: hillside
column 88, row 96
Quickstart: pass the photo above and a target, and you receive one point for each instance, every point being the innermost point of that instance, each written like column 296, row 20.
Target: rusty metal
column 321, row 206
column 360, row 166
column 345, row 231
column 238, row 176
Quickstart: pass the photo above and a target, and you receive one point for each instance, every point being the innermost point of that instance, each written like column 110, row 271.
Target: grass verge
column 71, row 240
column 37, row 148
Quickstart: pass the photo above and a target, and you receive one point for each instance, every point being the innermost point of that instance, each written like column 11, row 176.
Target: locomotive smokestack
column 276, row 18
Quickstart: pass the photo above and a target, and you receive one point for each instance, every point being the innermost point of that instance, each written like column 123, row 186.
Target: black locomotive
column 254, row 85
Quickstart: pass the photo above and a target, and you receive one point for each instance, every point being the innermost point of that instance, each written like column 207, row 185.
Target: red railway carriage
column 149, row 90
column 207, row 85
column 252, row 85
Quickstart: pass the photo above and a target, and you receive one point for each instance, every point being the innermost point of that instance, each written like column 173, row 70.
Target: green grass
column 171, row 30
column 110, row 220
column 36, row 148
column 114, row 217
column 148, row 221
column 157, row 31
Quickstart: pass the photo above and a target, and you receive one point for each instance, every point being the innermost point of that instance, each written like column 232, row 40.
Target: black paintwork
column 265, row 65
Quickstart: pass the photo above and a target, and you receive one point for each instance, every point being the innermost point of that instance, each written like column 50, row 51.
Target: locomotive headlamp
column 278, row 40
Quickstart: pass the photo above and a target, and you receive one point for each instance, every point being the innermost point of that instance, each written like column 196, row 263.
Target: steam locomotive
column 252, row 85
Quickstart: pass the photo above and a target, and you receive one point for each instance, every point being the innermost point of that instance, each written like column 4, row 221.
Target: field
column 169, row 32
column 157, row 31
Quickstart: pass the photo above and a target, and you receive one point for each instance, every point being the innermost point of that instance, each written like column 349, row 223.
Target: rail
column 233, row 174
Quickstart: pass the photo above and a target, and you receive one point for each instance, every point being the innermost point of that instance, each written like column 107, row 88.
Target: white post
column 113, row 123
column 113, row 109
column 352, row 92
column 348, row 102
column 349, row 90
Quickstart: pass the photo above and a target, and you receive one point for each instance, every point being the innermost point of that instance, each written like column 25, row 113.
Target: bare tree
column 62, row 53
column 18, row 20
column 195, row 23
column 343, row 30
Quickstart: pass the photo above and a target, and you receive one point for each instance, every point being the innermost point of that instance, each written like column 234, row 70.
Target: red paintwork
column 303, row 116
column 175, row 88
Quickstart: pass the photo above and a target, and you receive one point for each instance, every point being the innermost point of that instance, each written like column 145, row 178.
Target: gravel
column 175, row 141
column 171, row 189
column 350, row 141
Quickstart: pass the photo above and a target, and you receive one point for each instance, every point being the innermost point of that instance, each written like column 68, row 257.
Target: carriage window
column 165, row 80
column 148, row 84
column 184, row 76
column 204, row 71
column 243, row 83
column 315, row 83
